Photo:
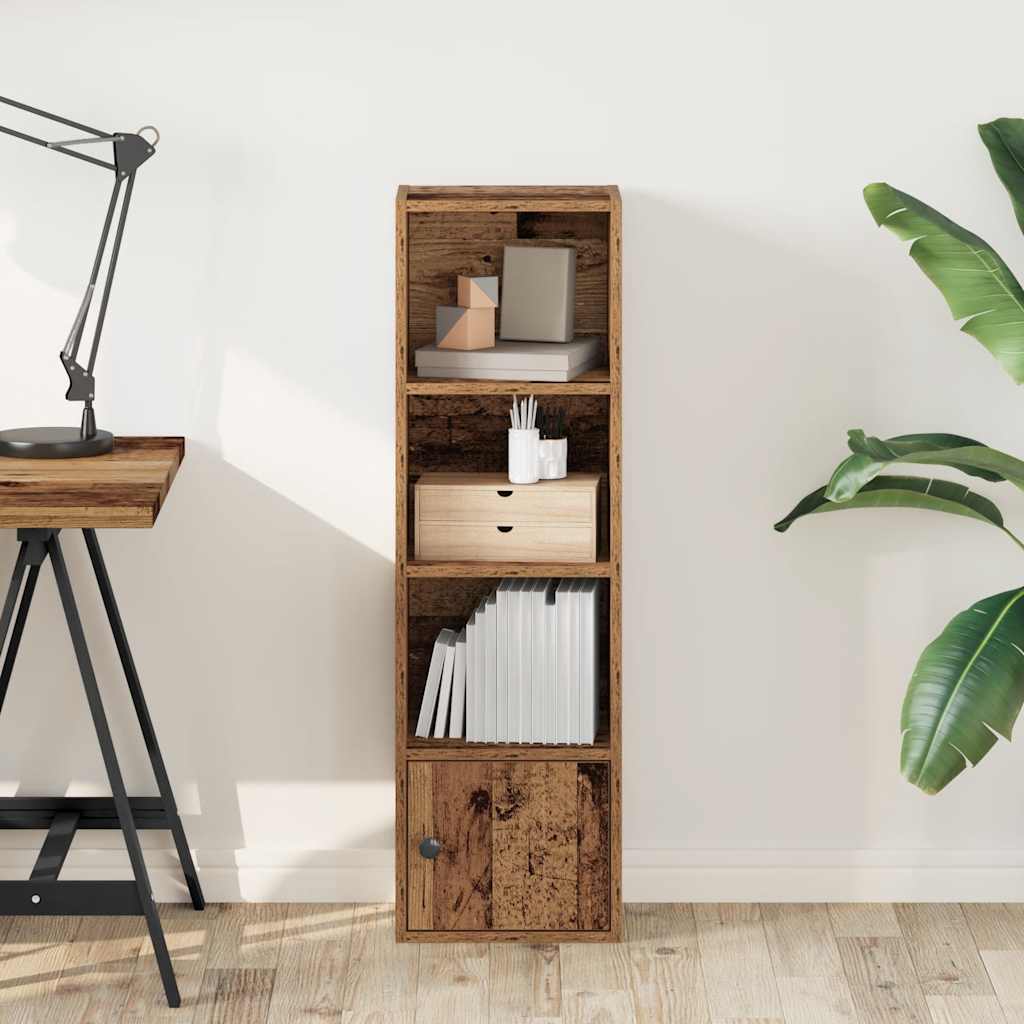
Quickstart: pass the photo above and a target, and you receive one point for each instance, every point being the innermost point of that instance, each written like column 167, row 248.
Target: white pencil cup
column 523, row 463
column 553, row 454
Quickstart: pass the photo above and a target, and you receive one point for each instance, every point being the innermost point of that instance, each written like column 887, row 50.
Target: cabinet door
column 508, row 845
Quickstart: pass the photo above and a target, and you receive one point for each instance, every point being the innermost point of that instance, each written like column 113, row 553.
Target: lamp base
column 53, row 443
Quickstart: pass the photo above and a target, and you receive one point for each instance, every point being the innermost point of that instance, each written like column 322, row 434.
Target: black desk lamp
column 131, row 151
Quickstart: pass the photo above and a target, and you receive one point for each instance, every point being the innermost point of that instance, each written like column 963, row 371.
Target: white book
column 540, row 696
column 470, row 705
column 430, row 691
column 445, row 698
column 515, row 660
column 456, row 720
column 574, row 661
column 526, row 641
column 551, row 659
column 589, row 661
column 479, row 672
column 502, row 637
column 490, row 653
column 562, row 644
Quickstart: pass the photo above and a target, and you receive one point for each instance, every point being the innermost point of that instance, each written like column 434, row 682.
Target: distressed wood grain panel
column 421, row 824
column 125, row 489
column 882, row 981
column 816, row 1000
column 996, row 925
column 664, row 963
column 1006, row 969
column 189, row 937
column 737, row 965
column 965, row 1010
column 35, row 951
column 864, row 921
column 800, row 939
column 380, row 984
column 452, row 986
column 309, row 986
column 943, row 949
column 235, row 996
column 96, row 977
column 596, row 985
column 525, row 983
column 534, row 832
column 465, row 225
column 593, row 808
column 462, row 822
column 247, row 935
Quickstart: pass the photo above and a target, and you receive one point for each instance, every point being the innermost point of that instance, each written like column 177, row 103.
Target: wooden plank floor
column 680, row 964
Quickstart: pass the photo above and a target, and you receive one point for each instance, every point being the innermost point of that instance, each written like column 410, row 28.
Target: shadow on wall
column 264, row 640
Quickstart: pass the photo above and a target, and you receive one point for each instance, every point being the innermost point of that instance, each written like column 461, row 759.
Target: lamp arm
column 81, row 382
column 131, row 150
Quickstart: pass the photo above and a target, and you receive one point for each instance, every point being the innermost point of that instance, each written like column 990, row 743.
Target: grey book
column 538, row 293
column 515, row 360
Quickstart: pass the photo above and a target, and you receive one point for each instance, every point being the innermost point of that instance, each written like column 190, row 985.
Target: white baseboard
column 654, row 876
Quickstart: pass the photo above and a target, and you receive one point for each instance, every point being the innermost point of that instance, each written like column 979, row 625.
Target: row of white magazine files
column 524, row 669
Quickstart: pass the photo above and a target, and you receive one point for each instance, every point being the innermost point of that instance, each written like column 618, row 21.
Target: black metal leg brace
column 44, row 893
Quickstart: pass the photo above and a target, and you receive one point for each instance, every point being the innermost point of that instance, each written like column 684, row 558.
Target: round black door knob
column 430, row 848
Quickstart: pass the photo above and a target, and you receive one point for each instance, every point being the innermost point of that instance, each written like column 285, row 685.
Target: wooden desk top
column 125, row 489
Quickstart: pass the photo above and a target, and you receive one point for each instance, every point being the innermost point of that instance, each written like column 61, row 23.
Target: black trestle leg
column 124, row 811
column 145, row 721
column 12, row 593
column 19, row 629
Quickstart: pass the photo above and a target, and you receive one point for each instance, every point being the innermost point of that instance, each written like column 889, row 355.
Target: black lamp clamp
column 131, row 150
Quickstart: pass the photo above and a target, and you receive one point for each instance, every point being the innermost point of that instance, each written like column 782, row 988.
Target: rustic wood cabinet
column 504, row 841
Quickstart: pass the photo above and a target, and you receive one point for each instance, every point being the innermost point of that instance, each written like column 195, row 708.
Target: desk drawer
column 506, row 504
column 505, row 542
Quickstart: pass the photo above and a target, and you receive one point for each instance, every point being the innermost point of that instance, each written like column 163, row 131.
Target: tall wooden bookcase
column 530, row 835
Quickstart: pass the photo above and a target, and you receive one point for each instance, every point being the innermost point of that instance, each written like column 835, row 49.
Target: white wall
column 764, row 315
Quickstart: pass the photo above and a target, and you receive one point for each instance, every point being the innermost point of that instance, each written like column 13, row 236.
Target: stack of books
column 524, row 669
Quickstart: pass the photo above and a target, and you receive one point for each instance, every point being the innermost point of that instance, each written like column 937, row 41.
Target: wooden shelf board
column 415, row 568
column 592, row 382
column 417, row 749
column 537, row 937
column 511, row 198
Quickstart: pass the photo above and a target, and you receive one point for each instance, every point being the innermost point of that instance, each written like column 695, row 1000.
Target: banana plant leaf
column 972, row 277
column 968, row 686
column 872, row 456
column 904, row 492
column 1004, row 138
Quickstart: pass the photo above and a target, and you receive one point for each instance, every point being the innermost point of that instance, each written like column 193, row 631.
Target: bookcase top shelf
column 509, row 198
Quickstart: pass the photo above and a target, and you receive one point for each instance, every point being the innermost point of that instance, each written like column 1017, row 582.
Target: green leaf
column 872, row 456
column 967, row 687
column 972, row 277
column 1004, row 138
column 903, row 492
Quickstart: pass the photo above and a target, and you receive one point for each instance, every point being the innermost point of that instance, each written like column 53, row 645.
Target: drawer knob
column 504, row 529
column 504, row 494
column 430, row 848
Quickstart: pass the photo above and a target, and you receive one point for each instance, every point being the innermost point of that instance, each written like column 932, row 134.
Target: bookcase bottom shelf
column 419, row 749
column 537, row 937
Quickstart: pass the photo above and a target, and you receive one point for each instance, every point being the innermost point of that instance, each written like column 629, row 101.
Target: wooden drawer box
column 523, row 846
column 481, row 517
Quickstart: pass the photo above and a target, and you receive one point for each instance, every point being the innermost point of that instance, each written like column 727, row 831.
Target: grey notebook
column 538, row 294
column 515, row 360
